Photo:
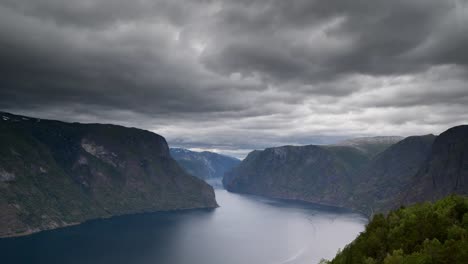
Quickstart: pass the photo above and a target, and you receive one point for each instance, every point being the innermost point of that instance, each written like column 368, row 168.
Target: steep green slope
column 309, row 173
column 35, row 192
column 423, row 233
column 204, row 165
column 53, row 174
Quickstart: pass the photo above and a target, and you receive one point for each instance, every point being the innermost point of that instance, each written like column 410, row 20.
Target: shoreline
column 37, row 231
column 298, row 200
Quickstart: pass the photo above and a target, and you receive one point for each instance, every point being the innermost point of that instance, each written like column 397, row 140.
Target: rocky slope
column 357, row 175
column 446, row 169
column 204, row 165
column 54, row 174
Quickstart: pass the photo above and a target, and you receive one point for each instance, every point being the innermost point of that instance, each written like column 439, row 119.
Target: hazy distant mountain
column 446, row 169
column 54, row 174
column 204, row 165
column 368, row 174
column 371, row 146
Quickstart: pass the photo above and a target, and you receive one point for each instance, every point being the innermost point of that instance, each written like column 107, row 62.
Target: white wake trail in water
column 293, row 257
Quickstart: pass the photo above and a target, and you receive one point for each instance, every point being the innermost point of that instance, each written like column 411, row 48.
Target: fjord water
column 244, row 230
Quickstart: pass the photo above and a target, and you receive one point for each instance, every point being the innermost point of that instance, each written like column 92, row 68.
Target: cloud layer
column 232, row 76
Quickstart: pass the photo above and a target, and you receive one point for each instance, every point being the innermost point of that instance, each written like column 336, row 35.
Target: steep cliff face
column 309, row 173
column 204, row 165
column 446, row 169
column 388, row 174
column 54, row 174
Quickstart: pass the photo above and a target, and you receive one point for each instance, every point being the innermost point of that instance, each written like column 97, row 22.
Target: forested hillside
column 422, row 233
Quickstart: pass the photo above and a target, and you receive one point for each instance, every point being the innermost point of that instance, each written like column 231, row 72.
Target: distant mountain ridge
column 371, row 146
column 204, row 165
column 369, row 175
column 54, row 174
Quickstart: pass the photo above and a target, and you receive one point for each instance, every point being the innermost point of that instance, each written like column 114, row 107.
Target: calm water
column 244, row 230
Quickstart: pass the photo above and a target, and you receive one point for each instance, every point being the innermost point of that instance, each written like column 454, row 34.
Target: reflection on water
column 244, row 230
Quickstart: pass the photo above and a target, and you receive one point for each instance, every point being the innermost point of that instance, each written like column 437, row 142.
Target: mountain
column 319, row 174
column 446, row 169
column 422, row 233
column 371, row 146
column 357, row 174
column 388, row 174
column 204, row 165
column 54, row 174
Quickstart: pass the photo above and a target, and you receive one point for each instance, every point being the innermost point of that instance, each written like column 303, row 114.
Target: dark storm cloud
column 129, row 67
column 102, row 13
column 307, row 40
column 237, row 75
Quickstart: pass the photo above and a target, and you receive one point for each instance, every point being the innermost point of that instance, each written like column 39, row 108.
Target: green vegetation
column 423, row 233
column 310, row 173
column 54, row 174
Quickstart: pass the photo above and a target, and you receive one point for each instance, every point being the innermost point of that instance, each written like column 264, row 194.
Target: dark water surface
column 244, row 230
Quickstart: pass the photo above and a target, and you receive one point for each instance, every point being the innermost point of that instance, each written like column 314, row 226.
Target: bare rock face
column 62, row 173
column 6, row 176
column 99, row 152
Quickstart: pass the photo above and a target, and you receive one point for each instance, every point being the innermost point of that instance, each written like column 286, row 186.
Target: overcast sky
column 233, row 76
